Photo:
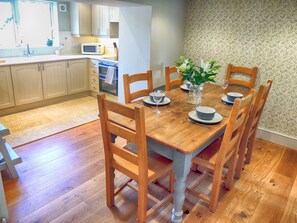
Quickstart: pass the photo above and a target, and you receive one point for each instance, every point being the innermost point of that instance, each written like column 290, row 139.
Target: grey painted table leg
column 3, row 207
column 182, row 165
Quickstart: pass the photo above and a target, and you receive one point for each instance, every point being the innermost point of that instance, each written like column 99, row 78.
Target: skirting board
column 277, row 138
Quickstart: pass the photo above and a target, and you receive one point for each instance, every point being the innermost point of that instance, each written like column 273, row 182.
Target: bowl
column 231, row 96
column 162, row 95
column 205, row 113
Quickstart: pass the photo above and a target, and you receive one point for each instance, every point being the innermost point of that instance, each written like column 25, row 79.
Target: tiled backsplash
column 71, row 46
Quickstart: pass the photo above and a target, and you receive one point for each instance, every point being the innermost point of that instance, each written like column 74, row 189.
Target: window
column 25, row 22
column 7, row 32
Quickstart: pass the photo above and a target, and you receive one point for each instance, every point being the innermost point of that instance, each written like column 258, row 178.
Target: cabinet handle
column 38, row 67
column 67, row 63
column 43, row 67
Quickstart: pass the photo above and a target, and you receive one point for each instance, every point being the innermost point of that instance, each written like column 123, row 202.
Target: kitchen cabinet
column 81, row 19
column 77, row 76
column 6, row 90
column 54, row 78
column 94, row 76
column 114, row 14
column 27, row 83
column 105, row 21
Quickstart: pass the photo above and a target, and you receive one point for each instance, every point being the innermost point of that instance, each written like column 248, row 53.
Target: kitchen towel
column 109, row 75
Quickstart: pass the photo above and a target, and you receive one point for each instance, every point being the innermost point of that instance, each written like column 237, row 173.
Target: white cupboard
column 27, row 83
column 105, row 21
column 77, row 76
column 54, row 78
column 6, row 90
column 114, row 14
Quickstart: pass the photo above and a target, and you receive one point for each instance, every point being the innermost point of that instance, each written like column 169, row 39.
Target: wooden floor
column 62, row 180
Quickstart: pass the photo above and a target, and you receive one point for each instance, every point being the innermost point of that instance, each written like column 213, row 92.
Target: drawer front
column 94, row 79
column 94, row 87
column 93, row 71
column 93, row 63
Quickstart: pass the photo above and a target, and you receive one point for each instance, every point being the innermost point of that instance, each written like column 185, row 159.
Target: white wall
column 135, row 43
column 167, row 34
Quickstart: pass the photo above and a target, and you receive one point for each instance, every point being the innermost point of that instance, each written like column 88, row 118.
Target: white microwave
column 92, row 48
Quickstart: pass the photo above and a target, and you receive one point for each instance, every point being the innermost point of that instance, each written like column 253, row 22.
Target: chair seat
column 157, row 164
column 209, row 154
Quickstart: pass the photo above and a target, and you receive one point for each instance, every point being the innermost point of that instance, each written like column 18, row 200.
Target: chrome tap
column 28, row 52
column 58, row 50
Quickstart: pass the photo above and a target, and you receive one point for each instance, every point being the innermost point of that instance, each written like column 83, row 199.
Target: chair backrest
column 128, row 80
column 168, row 82
column 252, row 72
column 235, row 127
column 255, row 115
column 137, row 136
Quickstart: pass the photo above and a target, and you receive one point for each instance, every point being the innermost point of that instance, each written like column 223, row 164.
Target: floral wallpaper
column 250, row 33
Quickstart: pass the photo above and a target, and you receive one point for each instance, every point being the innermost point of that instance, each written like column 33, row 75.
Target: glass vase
column 195, row 94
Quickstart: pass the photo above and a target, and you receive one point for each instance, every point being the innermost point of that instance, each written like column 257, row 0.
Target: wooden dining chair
column 168, row 82
column 213, row 158
column 133, row 160
column 130, row 79
column 251, row 72
column 249, row 134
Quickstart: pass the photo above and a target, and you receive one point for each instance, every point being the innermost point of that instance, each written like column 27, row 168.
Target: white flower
column 206, row 67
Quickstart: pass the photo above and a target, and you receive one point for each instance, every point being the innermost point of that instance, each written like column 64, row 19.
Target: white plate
column 147, row 100
column 184, row 87
column 225, row 99
column 216, row 119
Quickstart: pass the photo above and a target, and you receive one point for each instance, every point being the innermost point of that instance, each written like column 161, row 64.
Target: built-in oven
column 108, row 86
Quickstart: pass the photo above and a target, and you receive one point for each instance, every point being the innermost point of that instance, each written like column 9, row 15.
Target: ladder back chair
column 133, row 160
column 128, row 80
column 216, row 155
column 249, row 134
column 168, row 82
column 251, row 72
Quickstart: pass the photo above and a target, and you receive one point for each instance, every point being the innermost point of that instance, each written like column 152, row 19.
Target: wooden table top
column 173, row 128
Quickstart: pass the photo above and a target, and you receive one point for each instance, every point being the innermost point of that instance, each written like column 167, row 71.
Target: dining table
column 174, row 135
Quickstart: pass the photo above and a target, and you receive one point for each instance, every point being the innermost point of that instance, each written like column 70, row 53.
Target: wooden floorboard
column 62, row 180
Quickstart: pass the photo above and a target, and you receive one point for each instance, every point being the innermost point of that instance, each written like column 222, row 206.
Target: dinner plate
column 147, row 100
column 184, row 87
column 216, row 119
column 225, row 99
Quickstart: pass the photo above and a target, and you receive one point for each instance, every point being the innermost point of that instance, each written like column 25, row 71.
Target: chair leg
column 142, row 203
column 240, row 163
column 215, row 190
column 231, row 172
column 109, row 186
column 250, row 147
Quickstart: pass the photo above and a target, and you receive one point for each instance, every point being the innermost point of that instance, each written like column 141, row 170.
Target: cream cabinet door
column 54, row 78
column 100, row 20
column 6, row 90
column 27, row 83
column 114, row 14
column 85, row 19
column 77, row 76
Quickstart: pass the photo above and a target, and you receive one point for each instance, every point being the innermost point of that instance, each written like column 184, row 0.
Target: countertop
column 48, row 58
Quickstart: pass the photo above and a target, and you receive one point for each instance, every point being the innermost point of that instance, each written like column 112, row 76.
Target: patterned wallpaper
column 250, row 33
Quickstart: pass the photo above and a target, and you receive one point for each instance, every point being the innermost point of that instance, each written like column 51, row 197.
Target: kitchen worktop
column 48, row 58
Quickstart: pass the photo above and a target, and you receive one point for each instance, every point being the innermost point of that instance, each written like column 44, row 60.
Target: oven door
column 106, row 87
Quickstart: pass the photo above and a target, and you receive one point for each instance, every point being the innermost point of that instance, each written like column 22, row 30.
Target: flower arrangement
column 197, row 75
